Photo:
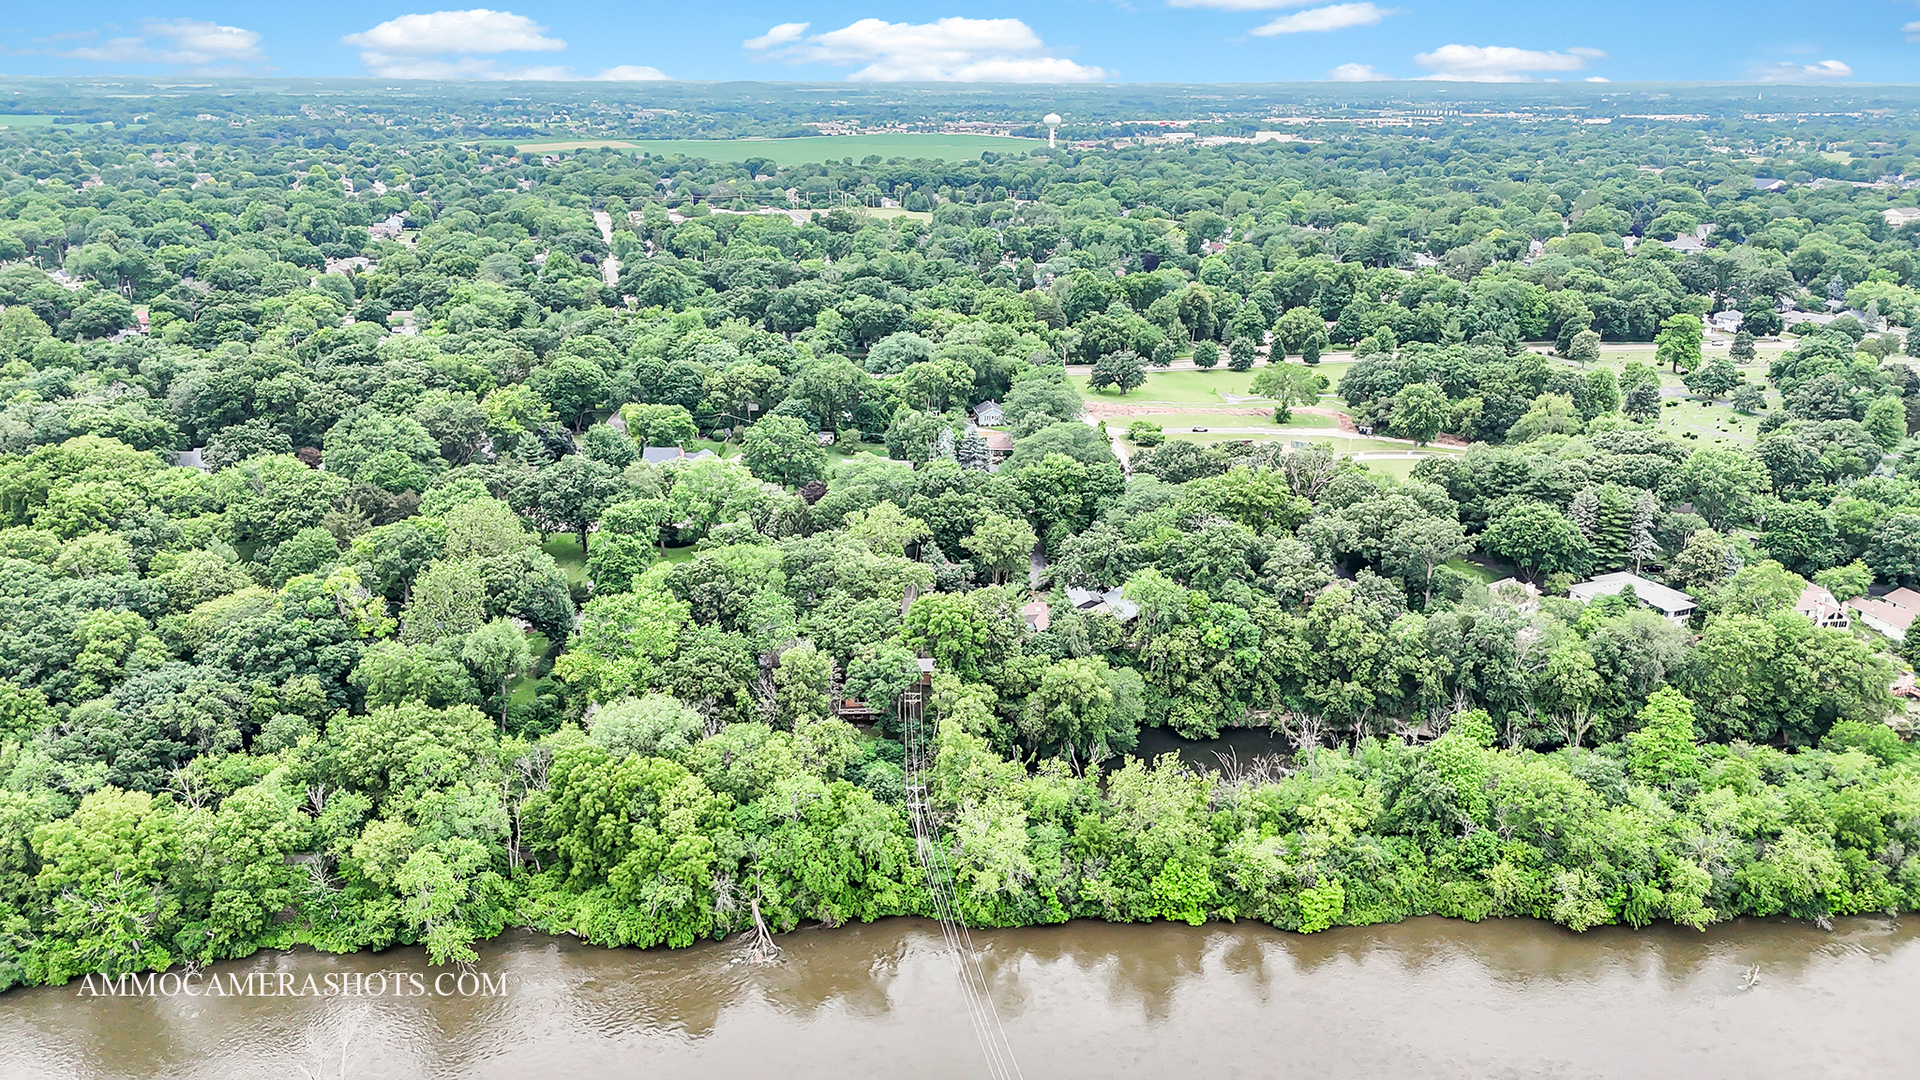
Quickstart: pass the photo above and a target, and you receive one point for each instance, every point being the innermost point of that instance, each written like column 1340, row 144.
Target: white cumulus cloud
column 443, row 33
column 1912, row 30
column 952, row 49
column 1322, row 19
column 450, row 44
column 1500, row 63
column 192, row 43
column 631, row 73
column 1786, row 71
column 784, row 34
column 1356, row 73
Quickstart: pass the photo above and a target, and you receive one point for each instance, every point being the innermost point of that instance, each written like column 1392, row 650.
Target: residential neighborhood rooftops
column 1888, row 618
column 1818, row 604
column 1667, row 601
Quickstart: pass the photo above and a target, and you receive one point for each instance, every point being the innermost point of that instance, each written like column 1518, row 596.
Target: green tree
column 1241, row 353
column 1886, row 421
column 782, row 450
column 1662, row 751
column 655, row 725
column 623, row 640
column 1714, row 379
column 1419, row 411
column 1643, row 403
column 1289, row 385
column 1721, row 485
column 1120, row 369
column 1071, row 712
column 999, row 544
column 1603, row 394
column 1584, row 347
column 571, row 386
column 498, row 652
column 1538, row 539
column 1678, row 342
column 1845, row 582
column 571, row 493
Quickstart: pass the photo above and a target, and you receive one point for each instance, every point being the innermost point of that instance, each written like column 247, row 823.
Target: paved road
column 610, row 267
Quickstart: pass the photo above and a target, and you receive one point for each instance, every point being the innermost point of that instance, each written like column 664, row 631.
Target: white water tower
column 1052, row 120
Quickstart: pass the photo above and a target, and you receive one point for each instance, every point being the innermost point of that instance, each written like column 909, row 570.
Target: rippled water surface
column 1427, row 997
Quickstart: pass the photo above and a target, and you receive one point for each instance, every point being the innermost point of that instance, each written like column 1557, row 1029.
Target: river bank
column 1426, row 997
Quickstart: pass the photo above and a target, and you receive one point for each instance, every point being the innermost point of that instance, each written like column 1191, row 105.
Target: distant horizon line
column 1600, row 88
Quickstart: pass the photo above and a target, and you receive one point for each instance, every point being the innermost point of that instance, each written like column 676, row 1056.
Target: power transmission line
column 974, row 990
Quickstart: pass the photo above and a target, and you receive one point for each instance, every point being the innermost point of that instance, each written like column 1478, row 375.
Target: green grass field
column 1698, row 422
column 1190, row 387
column 565, row 549
column 1204, row 387
column 25, row 120
column 1341, row 444
column 802, row 151
column 1179, row 419
column 1471, row 569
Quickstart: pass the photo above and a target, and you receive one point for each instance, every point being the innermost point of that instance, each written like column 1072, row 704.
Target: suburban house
column 1819, row 605
column 1522, row 596
column 999, row 447
column 1724, row 322
column 660, row 455
column 1890, row 614
column 1037, row 615
column 1670, row 602
column 1110, row 602
column 987, row 414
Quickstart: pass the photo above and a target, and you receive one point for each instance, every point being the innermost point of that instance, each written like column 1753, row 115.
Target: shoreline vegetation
column 1657, row 828
column 403, row 539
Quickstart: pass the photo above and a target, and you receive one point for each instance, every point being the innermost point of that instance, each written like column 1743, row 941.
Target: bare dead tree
column 1304, row 730
column 189, row 791
column 1573, row 726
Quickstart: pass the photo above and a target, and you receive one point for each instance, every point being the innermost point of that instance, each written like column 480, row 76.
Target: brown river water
column 1424, row 998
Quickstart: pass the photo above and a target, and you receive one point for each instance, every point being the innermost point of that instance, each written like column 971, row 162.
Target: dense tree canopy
column 390, row 555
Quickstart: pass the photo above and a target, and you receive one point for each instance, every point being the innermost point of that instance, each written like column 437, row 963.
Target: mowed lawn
column 1684, row 416
column 1196, row 387
column 1185, row 419
column 804, row 150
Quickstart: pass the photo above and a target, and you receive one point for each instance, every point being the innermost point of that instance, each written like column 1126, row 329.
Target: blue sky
column 983, row 40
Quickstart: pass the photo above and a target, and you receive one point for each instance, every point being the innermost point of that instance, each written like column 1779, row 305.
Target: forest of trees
column 423, row 647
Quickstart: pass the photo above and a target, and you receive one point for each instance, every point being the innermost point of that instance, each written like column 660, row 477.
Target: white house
column 1891, row 614
column 988, row 414
column 1819, row 605
column 1670, row 602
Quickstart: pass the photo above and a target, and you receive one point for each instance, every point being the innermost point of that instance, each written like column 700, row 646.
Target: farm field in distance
column 803, row 150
